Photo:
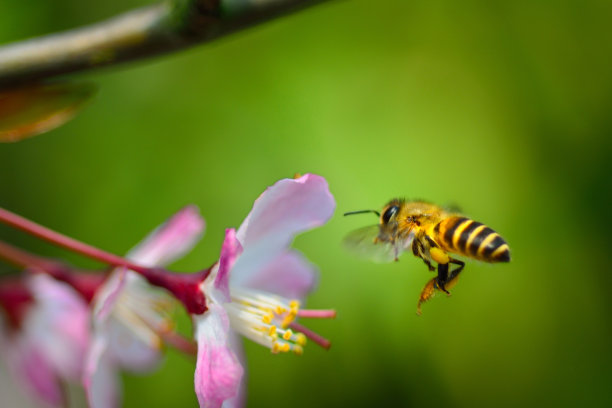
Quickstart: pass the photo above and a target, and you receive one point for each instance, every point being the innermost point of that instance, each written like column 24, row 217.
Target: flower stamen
column 265, row 318
column 269, row 320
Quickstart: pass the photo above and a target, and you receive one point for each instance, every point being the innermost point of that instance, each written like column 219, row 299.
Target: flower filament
column 145, row 311
column 266, row 319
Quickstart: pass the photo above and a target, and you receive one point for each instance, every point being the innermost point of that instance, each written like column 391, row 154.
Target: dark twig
column 161, row 28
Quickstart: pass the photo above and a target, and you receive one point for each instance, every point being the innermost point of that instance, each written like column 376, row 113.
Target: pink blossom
column 131, row 316
column 256, row 288
column 48, row 347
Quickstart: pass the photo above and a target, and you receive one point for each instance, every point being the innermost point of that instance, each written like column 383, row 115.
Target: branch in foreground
column 161, row 28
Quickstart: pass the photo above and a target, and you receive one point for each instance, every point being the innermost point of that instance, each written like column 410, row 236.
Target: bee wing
column 362, row 242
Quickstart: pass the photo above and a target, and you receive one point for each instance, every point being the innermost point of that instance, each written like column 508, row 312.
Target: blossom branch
column 84, row 283
column 169, row 26
column 23, row 259
column 183, row 286
column 13, row 220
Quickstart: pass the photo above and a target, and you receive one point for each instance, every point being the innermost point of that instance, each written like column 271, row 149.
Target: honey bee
column 431, row 232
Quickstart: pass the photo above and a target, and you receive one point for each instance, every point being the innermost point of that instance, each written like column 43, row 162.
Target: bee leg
column 437, row 283
column 429, row 265
column 445, row 280
column 442, row 278
column 440, row 281
column 427, row 293
column 453, row 276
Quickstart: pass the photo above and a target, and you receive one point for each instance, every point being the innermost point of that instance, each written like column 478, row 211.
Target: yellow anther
column 157, row 343
column 166, row 327
column 280, row 310
column 289, row 317
column 300, row 339
column 276, row 348
column 287, row 335
column 272, row 331
column 286, row 322
column 298, row 350
column 267, row 319
column 285, row 347
column 294, row 304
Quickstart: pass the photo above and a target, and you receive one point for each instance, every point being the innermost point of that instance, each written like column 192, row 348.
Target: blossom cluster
column 60, row 325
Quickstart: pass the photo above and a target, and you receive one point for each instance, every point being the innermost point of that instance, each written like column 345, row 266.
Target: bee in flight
column 431, row 232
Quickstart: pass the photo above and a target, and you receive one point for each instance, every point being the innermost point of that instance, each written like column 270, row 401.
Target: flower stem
column 86, row 284
column 24, row 260
column 185, row 287
column 16, row 221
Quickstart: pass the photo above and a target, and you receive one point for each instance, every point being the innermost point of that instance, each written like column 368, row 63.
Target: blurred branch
column 161, row 28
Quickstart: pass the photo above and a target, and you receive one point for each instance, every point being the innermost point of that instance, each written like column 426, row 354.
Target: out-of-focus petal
column 59, row 324
column 218, row 372
column 107, row 294
column 33, row 372
column 171, row 240
column 289, row 275
column 130, row 339
column 166, row 243
column 127, row 310
column 133, row 352
column 11, row 397
column 100, row 376
column 229, row 252
column 285, row 209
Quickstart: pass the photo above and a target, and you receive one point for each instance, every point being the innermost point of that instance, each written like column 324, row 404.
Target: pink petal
column 165, row 244
column 100, row 378
column 34, row 373
column 238, row 400
column 171, row 240
column 289, row 275
column 218, row 373
column 108, row 293
column 287, row 208
column 229, row 252
column 10, row 392
column 131, row 352
column 59, row 324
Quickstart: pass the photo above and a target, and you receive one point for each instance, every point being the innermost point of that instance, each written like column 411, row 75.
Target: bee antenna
column 362, row 212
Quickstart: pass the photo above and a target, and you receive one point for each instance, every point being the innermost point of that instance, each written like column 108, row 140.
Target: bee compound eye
column 391, row 211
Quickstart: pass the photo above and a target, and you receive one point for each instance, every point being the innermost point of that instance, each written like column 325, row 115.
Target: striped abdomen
column 471, row 238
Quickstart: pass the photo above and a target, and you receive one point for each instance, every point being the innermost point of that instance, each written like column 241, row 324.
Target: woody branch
column 165, row 27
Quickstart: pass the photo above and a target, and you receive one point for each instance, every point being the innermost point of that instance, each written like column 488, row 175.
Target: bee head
column 389, row 212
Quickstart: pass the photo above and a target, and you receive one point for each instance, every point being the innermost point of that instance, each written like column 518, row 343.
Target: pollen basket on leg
column 264, row 318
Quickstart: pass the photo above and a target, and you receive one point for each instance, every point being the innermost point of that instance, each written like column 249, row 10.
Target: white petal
column 59, row 324
column 100, row 378
column 289, row 274
column 284, row 210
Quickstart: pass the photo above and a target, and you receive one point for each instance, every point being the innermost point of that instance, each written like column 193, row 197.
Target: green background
column 503, row 108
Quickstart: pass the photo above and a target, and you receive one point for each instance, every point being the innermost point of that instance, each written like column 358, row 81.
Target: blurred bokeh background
column 503, row 108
